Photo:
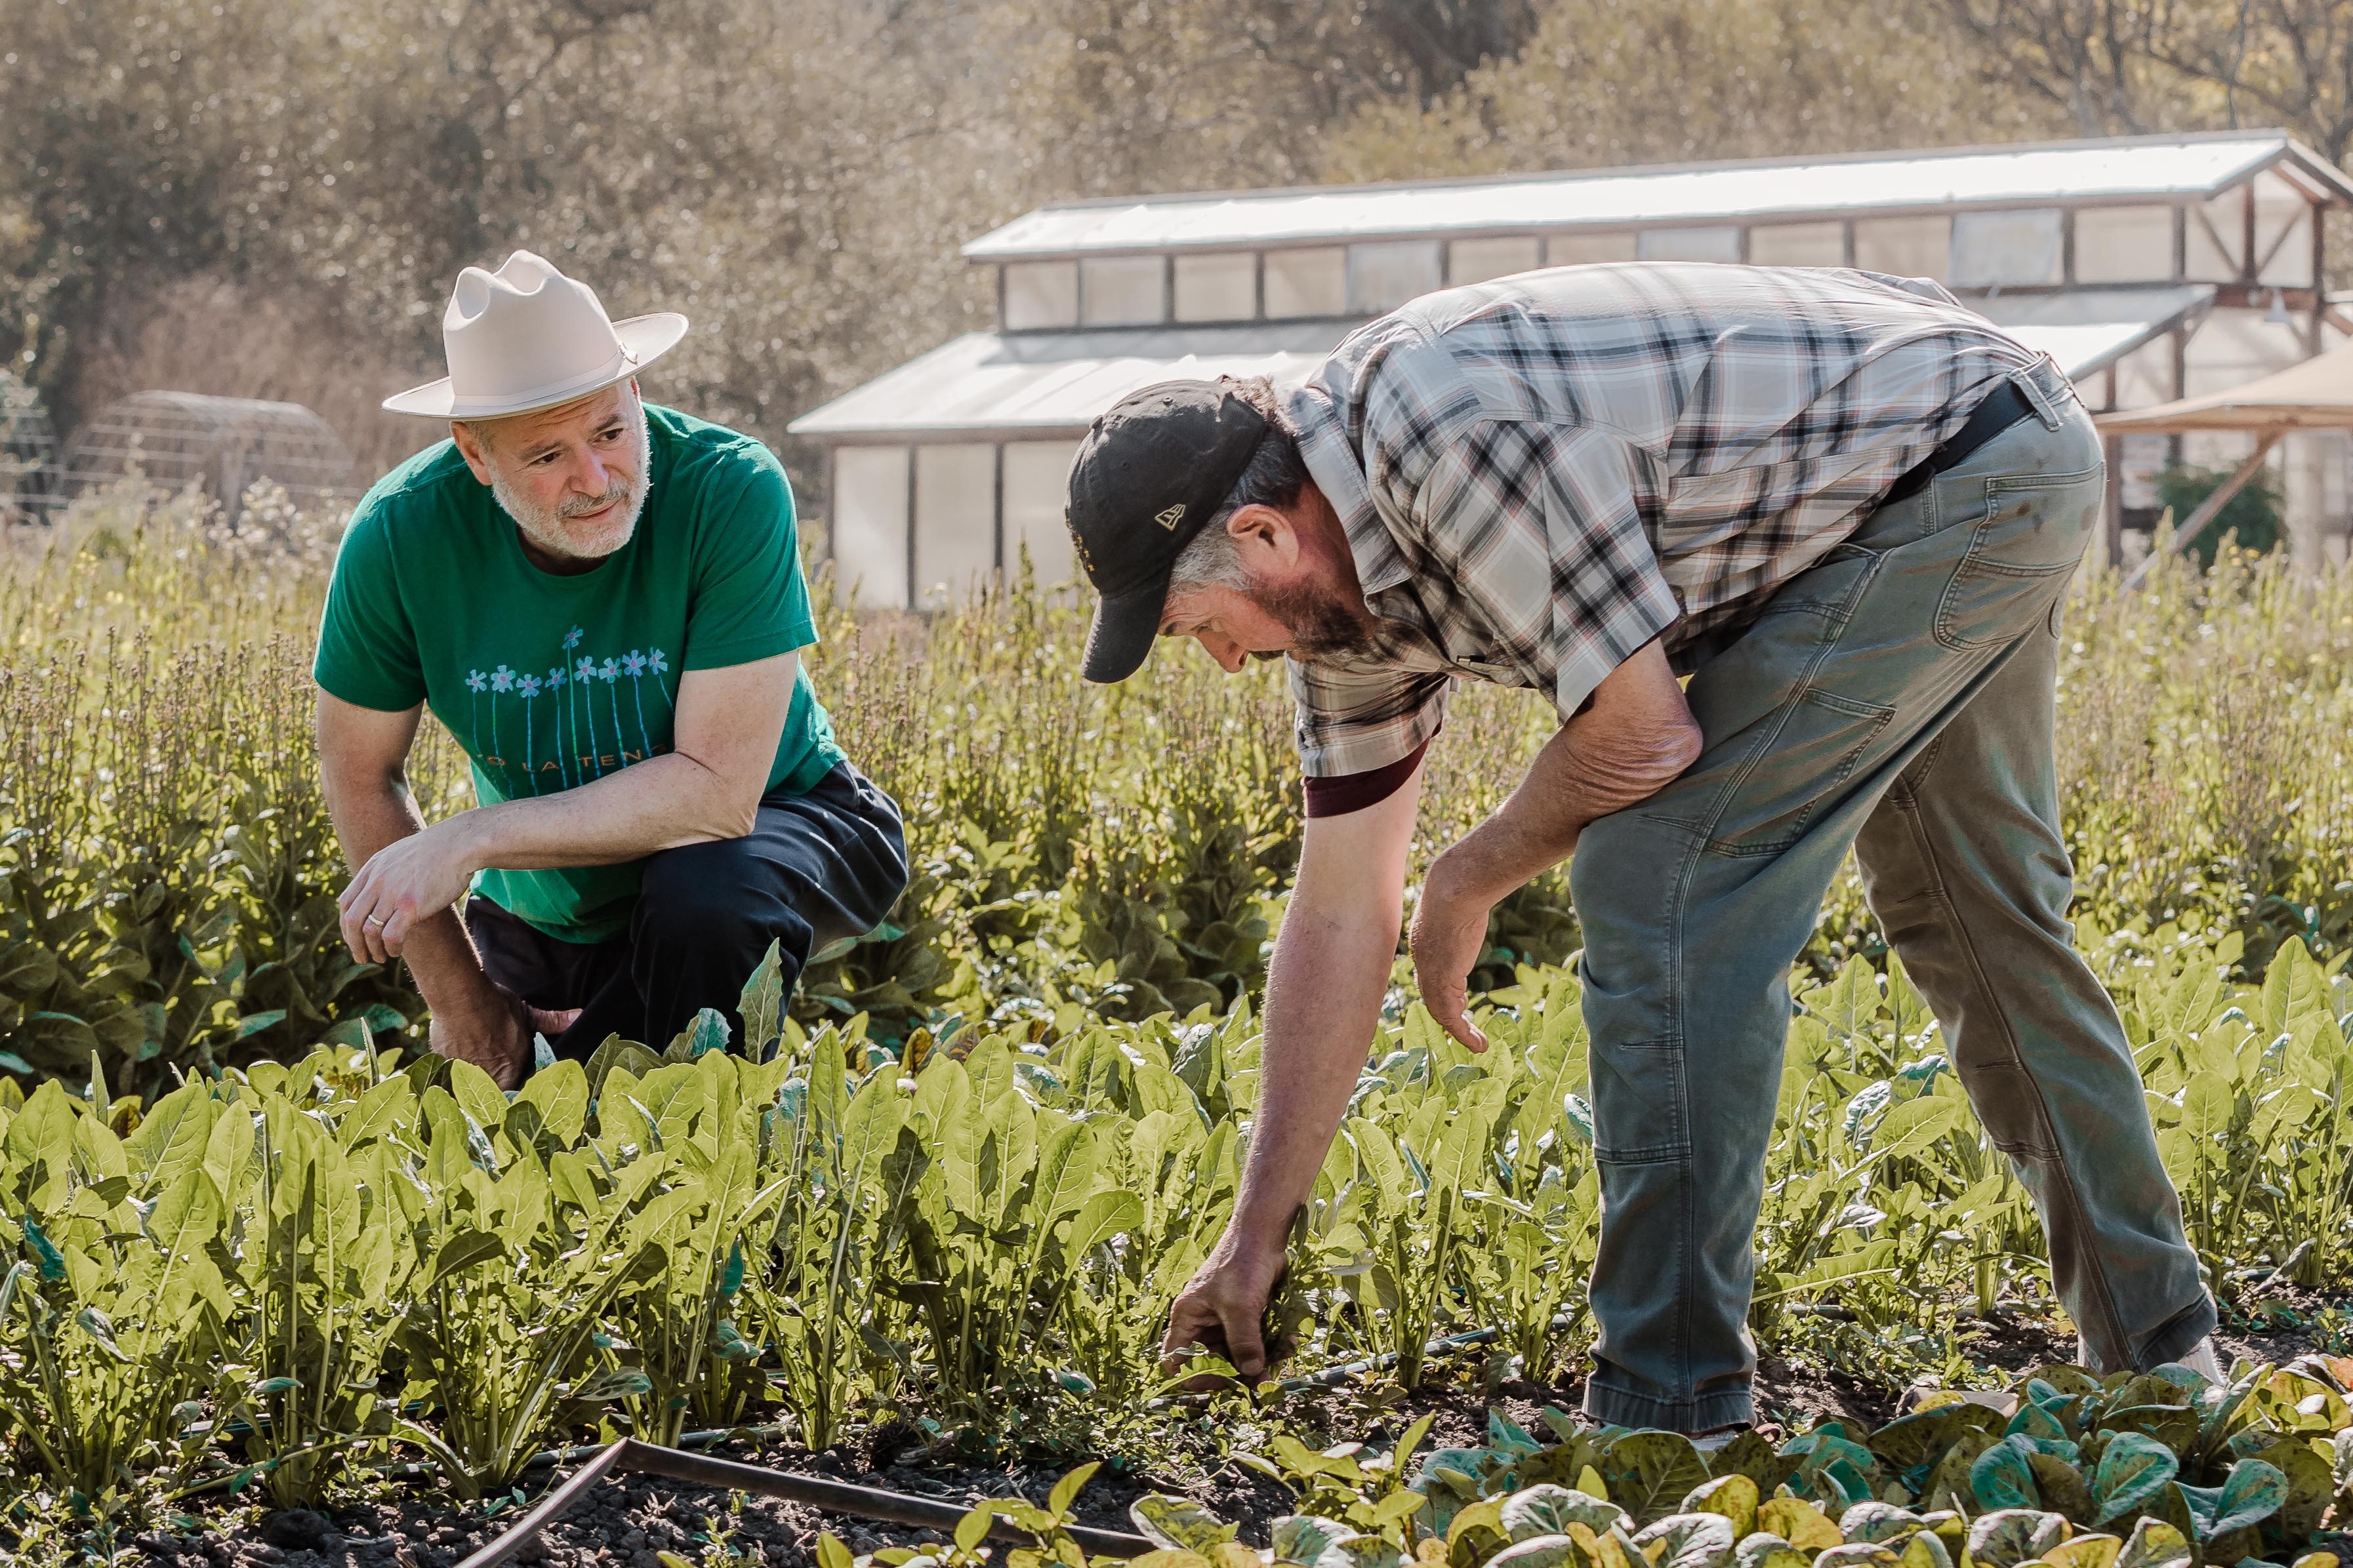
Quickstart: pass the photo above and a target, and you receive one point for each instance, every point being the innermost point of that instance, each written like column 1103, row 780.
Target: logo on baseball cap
column 1148, row 476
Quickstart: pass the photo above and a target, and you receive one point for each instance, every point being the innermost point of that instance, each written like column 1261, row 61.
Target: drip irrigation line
column 832, row 1496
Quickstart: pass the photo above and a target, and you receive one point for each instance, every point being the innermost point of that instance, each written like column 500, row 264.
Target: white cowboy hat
column 527, row 337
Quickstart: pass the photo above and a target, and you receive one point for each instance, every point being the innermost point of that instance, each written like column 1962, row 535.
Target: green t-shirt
column 550, row 682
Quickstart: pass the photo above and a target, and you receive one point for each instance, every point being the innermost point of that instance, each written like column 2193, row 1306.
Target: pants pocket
column 2031, row 531
column 1799, row 763
column 1640, row 1116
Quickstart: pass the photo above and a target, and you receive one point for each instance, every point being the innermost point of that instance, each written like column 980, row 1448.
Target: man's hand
column 499, row 1039
column 1450, row 929
column 1637, row 737
column 1222, row 1309
column 406, row 880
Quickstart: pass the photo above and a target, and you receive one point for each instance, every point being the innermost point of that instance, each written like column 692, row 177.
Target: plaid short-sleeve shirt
column 1542, row 475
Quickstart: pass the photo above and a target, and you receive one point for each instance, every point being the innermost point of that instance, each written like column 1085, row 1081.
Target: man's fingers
column 1245, row 1345
column 553, row 1024
column 1190, row 1322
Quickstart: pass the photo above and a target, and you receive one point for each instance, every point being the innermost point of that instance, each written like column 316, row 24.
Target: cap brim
column 1121, row 637
column 644, row 339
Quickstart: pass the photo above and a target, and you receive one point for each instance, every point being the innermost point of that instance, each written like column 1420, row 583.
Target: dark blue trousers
column 816, row 867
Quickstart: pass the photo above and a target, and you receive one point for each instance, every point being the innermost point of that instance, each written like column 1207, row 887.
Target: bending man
column 1848, row 508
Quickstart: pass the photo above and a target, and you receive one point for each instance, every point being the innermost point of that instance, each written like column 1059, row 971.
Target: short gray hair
column 1274, row 477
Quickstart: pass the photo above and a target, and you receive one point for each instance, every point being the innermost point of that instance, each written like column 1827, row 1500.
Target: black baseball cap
column 1147, row 479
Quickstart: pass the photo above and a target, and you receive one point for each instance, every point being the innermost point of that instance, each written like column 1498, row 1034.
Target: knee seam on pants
column 2046, row 1154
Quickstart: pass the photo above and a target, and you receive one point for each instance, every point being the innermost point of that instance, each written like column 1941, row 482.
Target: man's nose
column 1225, row 650
column 591, row 476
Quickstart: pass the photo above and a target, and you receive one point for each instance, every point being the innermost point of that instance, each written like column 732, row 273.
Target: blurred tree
column 2115, row 67
column 1603, row 83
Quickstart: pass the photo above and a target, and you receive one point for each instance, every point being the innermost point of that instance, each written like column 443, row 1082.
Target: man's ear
column 1264, row 532
column 471, row 448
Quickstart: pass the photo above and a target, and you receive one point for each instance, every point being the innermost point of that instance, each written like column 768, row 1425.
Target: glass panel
column 1217, row 287
column 1573, row 249
column 1041, row 294
column 2283, row 233
column 1476, row 260
column 1122, row 290
column 2145, row 377
column 1036, row 493
column 1384, row 276
column 956, row 520
column 1688, row 244
column 2010, row 247
column 2123, row 245
column 870, row 525
column 2216, row 239
column 1307, row 282
column 2234, row 346
column 2140, row 459
column 1798, row 244
column 1905, row 247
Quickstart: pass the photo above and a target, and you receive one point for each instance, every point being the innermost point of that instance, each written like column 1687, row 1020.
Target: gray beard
column 1321, row 626
column 545, row 528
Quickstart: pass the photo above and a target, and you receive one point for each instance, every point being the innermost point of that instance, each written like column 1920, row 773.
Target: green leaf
column 27, row 969
column 1538, row 1552
column 1178, row 1524
column 1103, row 1216
column 1689, row 1541
column 253, row 1024
column 973, row 1529
column 614, row 1383
column 46, row 1255
column 2004, row 1537
column 762, row 1003
column 2154, row 1544
column 1550, row 1510
column 1649, row 1473
column 2001, row 1479
column 2252, row 1493
column 1734, row 1496
column 462, row 1251
column 2132, row 1470
column 1066, row 1490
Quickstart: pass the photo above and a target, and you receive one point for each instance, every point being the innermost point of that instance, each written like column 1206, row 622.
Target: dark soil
column 630, row 1522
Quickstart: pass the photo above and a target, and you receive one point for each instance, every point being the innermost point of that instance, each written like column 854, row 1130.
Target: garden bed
column 627, row 1520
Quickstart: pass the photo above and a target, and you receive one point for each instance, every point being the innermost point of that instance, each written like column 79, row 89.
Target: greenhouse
column 2150, row 268
column 221, row 445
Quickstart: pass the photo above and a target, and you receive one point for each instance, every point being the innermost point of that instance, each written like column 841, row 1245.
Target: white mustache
column 583, row 508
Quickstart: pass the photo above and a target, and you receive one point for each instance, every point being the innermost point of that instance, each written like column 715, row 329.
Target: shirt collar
column 1333, row 463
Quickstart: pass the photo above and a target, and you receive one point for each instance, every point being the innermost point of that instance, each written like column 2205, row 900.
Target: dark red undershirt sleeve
column 1355, row 792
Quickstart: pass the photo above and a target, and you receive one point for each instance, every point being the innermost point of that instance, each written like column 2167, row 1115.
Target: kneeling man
column 603, row 602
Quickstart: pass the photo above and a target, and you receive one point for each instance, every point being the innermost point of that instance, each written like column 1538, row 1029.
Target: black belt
column 2002, row 408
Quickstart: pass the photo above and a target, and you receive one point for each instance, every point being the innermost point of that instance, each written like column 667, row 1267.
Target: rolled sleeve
column 1353, row 721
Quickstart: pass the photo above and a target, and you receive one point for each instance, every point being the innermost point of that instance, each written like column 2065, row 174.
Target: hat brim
column 644, row 339
column 1121, row 637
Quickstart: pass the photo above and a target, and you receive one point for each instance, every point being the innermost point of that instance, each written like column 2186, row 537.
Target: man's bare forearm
column 1330, row 969
column 1324, row 995
column 448, row 971
column 1631, row 744
column 659, row 803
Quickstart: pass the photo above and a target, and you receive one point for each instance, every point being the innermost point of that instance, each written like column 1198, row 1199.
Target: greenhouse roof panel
column 1055, row 383
column 2155, row 169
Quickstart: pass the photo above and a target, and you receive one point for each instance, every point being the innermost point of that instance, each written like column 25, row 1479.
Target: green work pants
column 1897, row 699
